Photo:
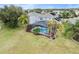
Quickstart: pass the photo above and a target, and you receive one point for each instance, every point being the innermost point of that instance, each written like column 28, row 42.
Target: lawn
column 19, row 41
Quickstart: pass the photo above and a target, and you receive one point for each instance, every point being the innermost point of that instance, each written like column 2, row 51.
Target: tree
column 72, row 31
column 9, row 15
column 65, row 14
column 38, row 10
column 52, row 25
column 72, row 12
column 23, row 19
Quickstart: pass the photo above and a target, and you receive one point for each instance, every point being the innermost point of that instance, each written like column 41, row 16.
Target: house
column 40, row 20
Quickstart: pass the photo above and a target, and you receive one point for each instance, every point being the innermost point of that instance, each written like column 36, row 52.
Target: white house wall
column 32, row 19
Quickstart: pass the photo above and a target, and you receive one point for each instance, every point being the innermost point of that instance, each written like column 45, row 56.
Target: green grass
column 19, row 41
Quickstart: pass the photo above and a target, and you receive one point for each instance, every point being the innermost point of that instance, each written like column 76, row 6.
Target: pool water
column 43, row 30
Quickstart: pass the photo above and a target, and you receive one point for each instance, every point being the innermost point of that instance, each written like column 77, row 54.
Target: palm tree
column 23, row 19
column 51, row 25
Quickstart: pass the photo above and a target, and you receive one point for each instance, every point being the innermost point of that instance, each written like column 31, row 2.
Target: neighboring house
column 77, row 12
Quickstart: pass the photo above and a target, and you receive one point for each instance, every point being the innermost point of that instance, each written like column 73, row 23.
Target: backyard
column 19, row 41
column 16, row 37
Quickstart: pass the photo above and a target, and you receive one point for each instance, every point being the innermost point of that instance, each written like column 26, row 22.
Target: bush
column 36, row 30
column 76, row 37
column 68, row 30
column 9, row 15
column 65, row 14
column 72, row 31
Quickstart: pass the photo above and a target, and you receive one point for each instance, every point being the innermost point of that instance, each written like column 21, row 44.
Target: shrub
column 36, row 30
column 65, row 14
column 68, row 30
column 72, row 31
column 9, row 15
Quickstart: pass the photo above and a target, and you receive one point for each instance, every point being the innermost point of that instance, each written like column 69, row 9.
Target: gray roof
column 40, row 14
column 33, row 14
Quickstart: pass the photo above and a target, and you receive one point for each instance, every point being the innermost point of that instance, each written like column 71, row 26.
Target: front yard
column 19, row 41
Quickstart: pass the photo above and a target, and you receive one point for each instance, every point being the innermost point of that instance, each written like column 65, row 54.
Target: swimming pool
column 43, row 30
